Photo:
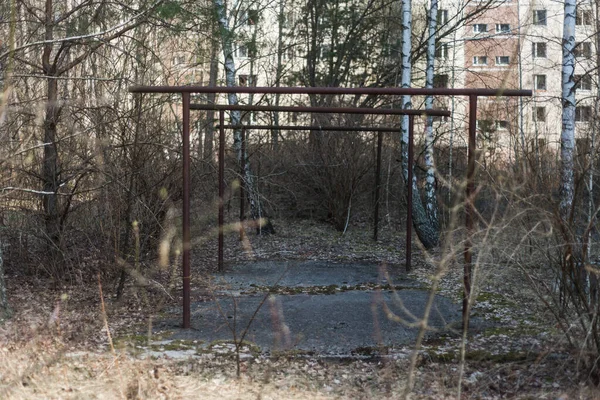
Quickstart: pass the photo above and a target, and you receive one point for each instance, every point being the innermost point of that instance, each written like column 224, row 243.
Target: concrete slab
column 337, row 323
column 309, row 274
column 326, row 324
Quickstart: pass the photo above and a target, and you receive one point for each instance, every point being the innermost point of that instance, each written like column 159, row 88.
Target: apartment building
column 502, row 44
column 518, row 45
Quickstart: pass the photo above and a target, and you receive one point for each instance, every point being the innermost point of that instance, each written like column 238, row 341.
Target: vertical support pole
column 221, row 186
column 242, row 169
column 186, row 211
column 411, row 150
column 469, row 208
column 377, row 185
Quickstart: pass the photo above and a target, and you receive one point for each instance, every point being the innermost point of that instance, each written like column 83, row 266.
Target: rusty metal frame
column 378, row 130
column 470, row 193
column 330, row 110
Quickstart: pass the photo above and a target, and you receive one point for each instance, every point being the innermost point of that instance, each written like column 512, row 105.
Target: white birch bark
column 425, row 231
column 405, row 79
column 567, row 137
column 256, row 211
column 430, row 195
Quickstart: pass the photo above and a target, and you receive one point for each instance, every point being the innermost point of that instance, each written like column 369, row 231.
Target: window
column 539, row 50
column 438, row 118
column 441, row 50
column 582, row 145
column 539, row 146
column 479, row 28
column 485, row 125
column 539, row 17
column 325, row 51
column 288, row 54
column 480, row 60
column 251, row 17
column 583, row 82
column 249, row 117
column 289, row 19
column 583, row 49
column 178, row 60
column 539, row 82
column 241, row 51
column 502, row 125
column 440, row 81
column 442, row 17
column 502, row 60
column 247, row 80
column 583, row 17
column 583, row 114
column 502, row 28
column 539, row 114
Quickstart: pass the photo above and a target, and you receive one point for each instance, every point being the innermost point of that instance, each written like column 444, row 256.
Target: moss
column 444, row 357
column 132, row 341
column 290, row 354
column 494, row 298
column 329, row 289
column 366, row 351
column 521, row 330
column 177, row 345
column 478, row 356
column 482, row 355
column 252, row 347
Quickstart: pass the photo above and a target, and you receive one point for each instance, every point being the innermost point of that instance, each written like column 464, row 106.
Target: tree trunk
column 431, row 205
column 5, row 311
column 50, row 169
column 258, row 214
column 427, row 234
column 567, row 137
column 279, row 70
column 210, row 114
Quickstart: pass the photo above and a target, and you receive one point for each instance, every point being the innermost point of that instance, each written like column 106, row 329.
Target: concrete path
column 313, row 320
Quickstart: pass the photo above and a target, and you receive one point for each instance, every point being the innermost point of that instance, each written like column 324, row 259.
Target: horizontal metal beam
column 312, row 128
column 332, row 90
column 323, row 110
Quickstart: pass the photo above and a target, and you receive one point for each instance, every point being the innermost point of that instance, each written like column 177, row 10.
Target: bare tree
column 264, row 225
column 430, row 192
column 567, row 138
column 67, row 38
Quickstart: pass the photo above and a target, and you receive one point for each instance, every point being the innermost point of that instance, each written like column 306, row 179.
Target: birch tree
column 427, row 233
column 567, row 138
column 264, row 225
column 430, row 193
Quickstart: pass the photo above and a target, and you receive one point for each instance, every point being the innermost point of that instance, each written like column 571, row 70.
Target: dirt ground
column 61, row 344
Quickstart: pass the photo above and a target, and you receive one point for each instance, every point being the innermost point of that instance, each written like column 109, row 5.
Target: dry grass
column 56, row 345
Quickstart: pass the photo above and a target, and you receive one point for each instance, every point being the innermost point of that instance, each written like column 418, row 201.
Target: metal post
column 469, row 208
column 242, row 169
column 221, row 187
column 411, row 127
column 186, row 211
column 377, row 185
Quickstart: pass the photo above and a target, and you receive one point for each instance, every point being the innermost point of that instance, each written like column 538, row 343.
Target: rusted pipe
column 221, row 188
column 331, row 90
column 377, row 185
column 314, row 128
column 469, row 208
column 322, row 110
column 186, row 212
column 242, row 194
column 411, row 156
